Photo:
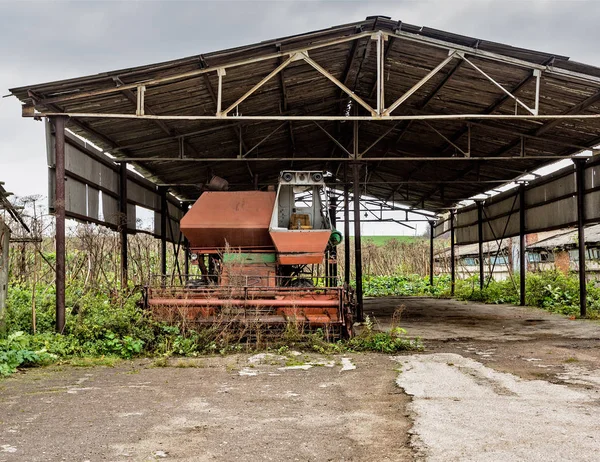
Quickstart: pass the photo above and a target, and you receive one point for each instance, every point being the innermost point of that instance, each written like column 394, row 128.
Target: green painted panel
column 249, row 258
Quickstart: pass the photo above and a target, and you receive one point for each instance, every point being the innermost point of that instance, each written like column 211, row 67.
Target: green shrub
column 404, row 285
column 16, row 351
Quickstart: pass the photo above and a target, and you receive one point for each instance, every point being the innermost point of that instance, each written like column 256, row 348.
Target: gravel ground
column 221, row 408
column 496, row 382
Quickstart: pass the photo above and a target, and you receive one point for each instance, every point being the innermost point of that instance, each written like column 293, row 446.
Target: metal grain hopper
column 256, row 252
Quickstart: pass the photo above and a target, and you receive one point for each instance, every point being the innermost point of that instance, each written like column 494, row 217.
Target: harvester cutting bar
column 297, row 302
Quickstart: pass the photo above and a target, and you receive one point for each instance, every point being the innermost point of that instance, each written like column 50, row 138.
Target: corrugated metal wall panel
column 93, row 200
column 110, row 209
column 547, row 207
column 131, row 218
column 552, row 190
column 551, row 216
column 76, row 197
column 592, row 206
column 143, row 196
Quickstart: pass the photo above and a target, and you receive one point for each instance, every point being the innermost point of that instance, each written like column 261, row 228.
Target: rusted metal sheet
column 300, row 241
column 265, row 305
column 240, row 219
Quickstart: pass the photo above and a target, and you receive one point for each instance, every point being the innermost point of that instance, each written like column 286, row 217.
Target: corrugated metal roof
column 300, row 90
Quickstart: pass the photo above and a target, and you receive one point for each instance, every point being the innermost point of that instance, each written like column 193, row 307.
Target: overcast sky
column 45, row 41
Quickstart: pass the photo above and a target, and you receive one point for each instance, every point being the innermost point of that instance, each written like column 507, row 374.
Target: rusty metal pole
column 522, row 245
column 431, row 232
column 333, row 254
column 346, row 226
column 186, row 263
column 580, row 178
column 59, row 213
column 123, row 222
column 334, row 266
column 163, row 235
column 357, row 245
column 452, row 255
column 186, row 247
column 480, row 241
column 357, row 240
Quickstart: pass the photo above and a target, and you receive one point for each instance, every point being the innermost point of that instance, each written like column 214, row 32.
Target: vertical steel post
column 123, row 222
column 431, row 231
column 163, row 235
column 452, row 255
column 480, row 241
column 522, row 245
column 580, row 178
column 357, row 240
column 59, row 213
column 186, row 255
column 357, row 244
column 186, row 263
column 333, row 272
column 346, row 226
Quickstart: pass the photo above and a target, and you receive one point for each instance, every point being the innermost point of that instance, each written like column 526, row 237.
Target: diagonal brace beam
column 508, row 93
column 273, row 73
column 343, row 87
column 419, row 84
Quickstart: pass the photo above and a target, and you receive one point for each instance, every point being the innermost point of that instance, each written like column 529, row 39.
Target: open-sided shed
column 399, row 113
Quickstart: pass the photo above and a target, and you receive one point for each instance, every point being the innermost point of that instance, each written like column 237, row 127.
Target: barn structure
column 402, row 116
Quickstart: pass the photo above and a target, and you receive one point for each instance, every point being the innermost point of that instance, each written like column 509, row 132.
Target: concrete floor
column 495, row 383
column 498, row 382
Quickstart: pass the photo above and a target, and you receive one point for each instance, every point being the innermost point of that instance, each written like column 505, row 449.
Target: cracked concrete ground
column 218, row 408
column 498, row 382
column 495, row 383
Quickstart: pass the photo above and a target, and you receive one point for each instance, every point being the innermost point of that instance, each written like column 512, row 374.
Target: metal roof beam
column 195, row 73
column 345, row 159
column 27, row 112
column 475, row 52
column 285, row 103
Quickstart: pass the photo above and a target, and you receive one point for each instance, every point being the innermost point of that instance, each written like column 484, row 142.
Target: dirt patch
column 221, row 408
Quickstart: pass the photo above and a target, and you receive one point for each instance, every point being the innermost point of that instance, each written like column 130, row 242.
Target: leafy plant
column 15, row 351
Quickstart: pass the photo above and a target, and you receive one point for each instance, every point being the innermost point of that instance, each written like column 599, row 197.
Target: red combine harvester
column 256, row 252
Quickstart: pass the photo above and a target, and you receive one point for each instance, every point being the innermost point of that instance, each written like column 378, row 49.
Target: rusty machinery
column 255, row 252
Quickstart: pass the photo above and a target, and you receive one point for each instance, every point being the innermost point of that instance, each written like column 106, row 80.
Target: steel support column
column 186, row 263
column 452, row 255
column 59, row 213
column 431, row 232
column 163, row 235
column 522, row 245
column 333, row 269
column 357, row 244
column 346, row 226
column 480, row 241
column 580, row 178
column 124, row 219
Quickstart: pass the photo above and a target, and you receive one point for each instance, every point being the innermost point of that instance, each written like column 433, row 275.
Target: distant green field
column 381, row 240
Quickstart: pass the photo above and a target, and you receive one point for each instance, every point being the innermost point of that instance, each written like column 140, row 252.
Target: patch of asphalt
column 465, row 411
